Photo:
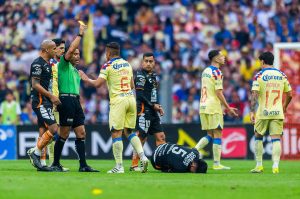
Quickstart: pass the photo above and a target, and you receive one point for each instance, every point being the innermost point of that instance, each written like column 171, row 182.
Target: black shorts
column 45, row 115
column 70, row 111
column 148, row 124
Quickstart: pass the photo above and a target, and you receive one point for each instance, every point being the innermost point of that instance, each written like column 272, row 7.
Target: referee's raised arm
column 74, row 45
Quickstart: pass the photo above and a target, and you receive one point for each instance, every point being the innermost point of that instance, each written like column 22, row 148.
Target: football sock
column 42, row 142
column 135, row 159
column 137, row 145
column 117, row 147
column 58, row 147
column 276, row 152
column 203, row 142
column 258, row 148
column 217, row 150
column 80, row 149
column 50, row 148
column 44, row 156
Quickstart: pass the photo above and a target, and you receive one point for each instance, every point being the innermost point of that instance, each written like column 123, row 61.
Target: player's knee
column 257, row 135
column 53, row 128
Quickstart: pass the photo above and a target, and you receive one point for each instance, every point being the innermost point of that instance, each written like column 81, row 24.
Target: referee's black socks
column 58, row 147
column 80, row 149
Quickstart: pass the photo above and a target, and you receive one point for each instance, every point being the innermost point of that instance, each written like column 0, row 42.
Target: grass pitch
column 18, row 180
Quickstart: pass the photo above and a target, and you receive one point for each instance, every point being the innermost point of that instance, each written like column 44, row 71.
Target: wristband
column 79, row 35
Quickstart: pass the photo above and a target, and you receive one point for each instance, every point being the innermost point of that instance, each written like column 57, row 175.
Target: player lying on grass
column 174, row 158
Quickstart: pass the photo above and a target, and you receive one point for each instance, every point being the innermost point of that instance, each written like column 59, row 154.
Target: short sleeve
column 36, row 70
column 140, row 81
column 63, row 63
column 287, row 87
column 217, row 74
column 104, row 71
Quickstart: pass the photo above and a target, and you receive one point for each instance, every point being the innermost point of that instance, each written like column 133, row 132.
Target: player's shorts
column 122, row 113
column 148, row 123
column 45, row 115
column 70, row 111
column 211, row 121
column 271, row 126
column 56, row 114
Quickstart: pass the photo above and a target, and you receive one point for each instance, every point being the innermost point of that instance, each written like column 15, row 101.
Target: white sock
column 37, row 151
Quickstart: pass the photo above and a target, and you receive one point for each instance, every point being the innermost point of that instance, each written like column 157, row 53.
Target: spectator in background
column 10, row 110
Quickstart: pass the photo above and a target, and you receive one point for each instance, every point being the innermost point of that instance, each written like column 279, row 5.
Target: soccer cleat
column 220, row 167
column 275, row 170
column 135, row 168
column 87, row 169
column 34, row 159
column 45, row 168
column 257, row 169
column 144, row 167
column 58, row 168
column 116, row 170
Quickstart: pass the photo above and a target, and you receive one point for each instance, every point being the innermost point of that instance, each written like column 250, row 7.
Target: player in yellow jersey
column 118, row 75
column 211, row 113
column 269, row 86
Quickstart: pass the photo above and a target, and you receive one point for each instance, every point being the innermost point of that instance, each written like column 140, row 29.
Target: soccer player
column 148, row 121
column 70, row 111
column 43, row 101
column 122, row 115
column 211, row 113
column 174, row 158
column 269, row 86
column 60, row 50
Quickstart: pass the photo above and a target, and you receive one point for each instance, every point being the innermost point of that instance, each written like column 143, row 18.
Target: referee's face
column 148, row 63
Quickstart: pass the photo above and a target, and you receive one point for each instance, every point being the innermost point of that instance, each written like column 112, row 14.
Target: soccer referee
column 70, row 112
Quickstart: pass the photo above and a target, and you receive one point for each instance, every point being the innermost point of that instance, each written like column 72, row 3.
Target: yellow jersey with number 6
column 270, row 83
column 118, row 74
column 212, row 80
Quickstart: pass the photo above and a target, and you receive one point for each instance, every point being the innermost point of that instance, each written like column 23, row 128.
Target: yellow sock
column 217, row 150
column 276, row 152
column 259, row 149
column 137, row 145
column 51, row 152
column 203, row 142
column 118, row 151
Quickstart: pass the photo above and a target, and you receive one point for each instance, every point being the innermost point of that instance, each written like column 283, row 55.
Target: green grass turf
column 18, row 180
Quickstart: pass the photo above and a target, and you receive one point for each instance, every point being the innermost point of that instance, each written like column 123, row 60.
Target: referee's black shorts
column 70, row 111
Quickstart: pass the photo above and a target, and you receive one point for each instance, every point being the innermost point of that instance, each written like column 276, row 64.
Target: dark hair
column 267, row 57
column 212, row 54
column 9, row 92
column 114, row 48
column 58, row 41
column 202, row 166
column 148, row 54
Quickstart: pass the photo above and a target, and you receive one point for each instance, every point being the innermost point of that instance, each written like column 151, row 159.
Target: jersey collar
column 213, row 67
column 114, row 59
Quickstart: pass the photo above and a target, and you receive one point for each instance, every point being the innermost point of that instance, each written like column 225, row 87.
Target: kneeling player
column 177, row 159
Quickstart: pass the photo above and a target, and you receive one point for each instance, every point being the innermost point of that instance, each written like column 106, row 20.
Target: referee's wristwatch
column 80, row 35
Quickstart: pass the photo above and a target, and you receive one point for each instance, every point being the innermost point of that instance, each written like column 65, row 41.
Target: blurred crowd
column 179, row 32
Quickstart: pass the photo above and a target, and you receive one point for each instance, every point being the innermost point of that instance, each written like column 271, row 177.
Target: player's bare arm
column 74, row 45
column 95, row 83
column 37, row 86
column 132, row 84
column 232, row 111
column 254, row 99
column 287, row 101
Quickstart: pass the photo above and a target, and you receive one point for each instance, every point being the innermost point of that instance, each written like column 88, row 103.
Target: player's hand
column 252, row 117
column 233, row 112
column 55, row 100
column 161, row 111
column 83, row 76
column 82, row 29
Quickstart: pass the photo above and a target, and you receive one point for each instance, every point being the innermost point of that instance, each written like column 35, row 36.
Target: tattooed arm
column 254, row 98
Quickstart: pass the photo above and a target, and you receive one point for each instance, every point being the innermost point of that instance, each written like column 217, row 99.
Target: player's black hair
column 148, row 54
column 58, row 41
column 212, row 54
column 9, row 92
column 267, row 57
column 114, row 48
column 202, row 166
